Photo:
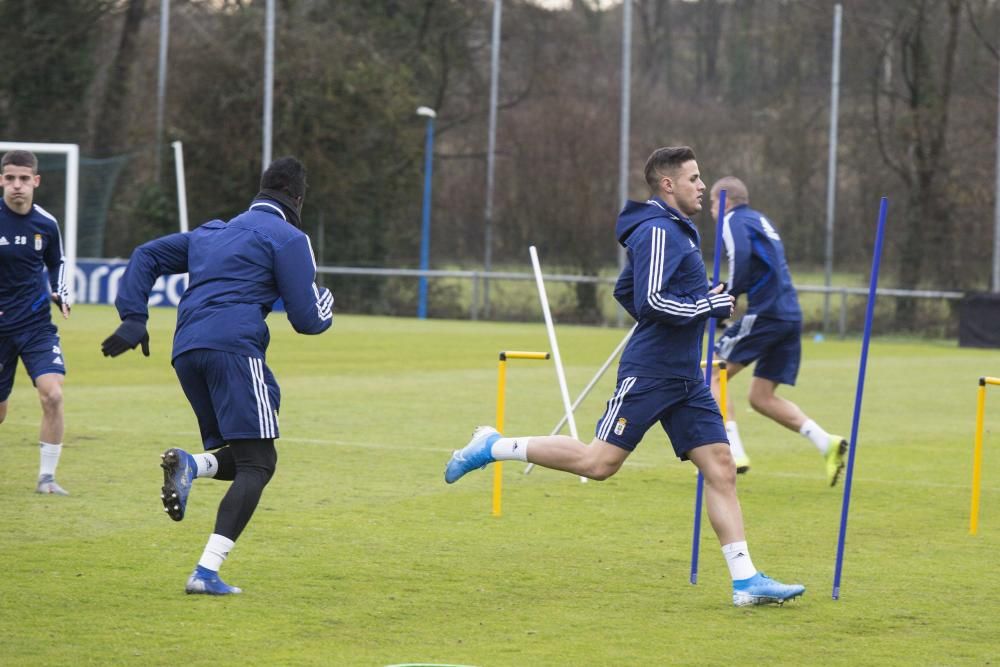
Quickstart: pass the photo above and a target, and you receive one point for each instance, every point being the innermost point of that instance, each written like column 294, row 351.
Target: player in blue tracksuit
column 769, row 333
column 29, row 244
column 237, row 270
column 664, row 287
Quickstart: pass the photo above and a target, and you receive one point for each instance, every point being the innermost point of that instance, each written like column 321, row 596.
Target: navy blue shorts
column 234, row 397
column 39, row 350
column 776, row 346
column 685, row 409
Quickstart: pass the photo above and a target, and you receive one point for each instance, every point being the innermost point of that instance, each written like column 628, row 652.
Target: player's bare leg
column 50, row 434
column 832, row 447
column 750, row 587
column 716, row 464
column 598, row 460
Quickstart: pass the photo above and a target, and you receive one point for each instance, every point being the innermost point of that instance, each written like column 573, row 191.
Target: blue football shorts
column 234, row 397
column 776, row 346
column 38, row 348
column 686, row 410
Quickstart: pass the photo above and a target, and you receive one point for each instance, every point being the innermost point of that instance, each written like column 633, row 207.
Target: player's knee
column 720, row 470
column 51, row 397
column 255, row 457
column 600, row 470
column 3, row 411
column 759, row 402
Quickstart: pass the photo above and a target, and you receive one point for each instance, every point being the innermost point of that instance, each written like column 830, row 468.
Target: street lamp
column 425, row 229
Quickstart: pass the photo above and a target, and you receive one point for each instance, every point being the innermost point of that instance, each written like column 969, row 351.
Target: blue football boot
column 179, row 470
column 476, row 454
column 206, row 582
column 761, row 589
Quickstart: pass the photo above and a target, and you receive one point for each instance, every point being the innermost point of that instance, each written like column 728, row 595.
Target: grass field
column 359, row 554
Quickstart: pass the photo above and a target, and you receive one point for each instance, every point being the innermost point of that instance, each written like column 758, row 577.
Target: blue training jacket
column 664, row 286
column 757, row 265
column 29, row 244
column 237, row 270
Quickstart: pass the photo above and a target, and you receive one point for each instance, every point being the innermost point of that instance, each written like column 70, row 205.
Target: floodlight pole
column 161, row 84
column 623, row 151
column 831, row 169
column 268, row 84
column 996, row 203
column 491, row 154
column 425, row 226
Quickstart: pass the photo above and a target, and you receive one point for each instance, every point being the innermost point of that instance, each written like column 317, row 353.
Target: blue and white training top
column 237, row 270
column 664, row 286
column 29, row 244
column 757, row 265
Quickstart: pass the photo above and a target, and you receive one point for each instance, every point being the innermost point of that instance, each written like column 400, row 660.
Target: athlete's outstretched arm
column 164, row 256
column 160, row 257
column 308, row 306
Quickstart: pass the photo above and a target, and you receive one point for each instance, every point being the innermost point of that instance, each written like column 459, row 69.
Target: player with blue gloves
column 237, row 271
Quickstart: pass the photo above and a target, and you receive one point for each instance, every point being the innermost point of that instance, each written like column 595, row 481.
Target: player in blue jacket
column 237, row 270
column 29, row 244
column 769, row 333
column 664, row 287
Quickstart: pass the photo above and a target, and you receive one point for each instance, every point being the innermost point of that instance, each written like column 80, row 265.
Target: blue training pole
column 716, row 260
column 425, row 224
column 857, row 400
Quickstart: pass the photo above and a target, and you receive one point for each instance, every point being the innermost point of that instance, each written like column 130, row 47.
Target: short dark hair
column 663, row 160
column 286, row 174
column 20, row 158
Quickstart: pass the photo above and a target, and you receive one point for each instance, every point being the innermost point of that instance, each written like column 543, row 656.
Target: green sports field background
column 360, row 554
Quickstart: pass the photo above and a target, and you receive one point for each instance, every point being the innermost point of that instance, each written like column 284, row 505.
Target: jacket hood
column 635, row 213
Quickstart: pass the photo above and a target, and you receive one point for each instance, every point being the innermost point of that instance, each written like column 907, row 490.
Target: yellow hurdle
column 501, row 391
column 723, row 385
column 977, row 455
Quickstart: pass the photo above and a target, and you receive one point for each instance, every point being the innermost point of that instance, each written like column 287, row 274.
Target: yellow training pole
column 723, row 390
column 498, row 466
column 723, row 385
column 501, row 391
column 977, row 456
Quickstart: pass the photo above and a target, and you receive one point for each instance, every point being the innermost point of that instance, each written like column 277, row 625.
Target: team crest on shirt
column 620, row 425
column 38, row 241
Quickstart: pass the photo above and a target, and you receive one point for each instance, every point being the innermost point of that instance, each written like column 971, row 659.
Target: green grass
column 359, row 554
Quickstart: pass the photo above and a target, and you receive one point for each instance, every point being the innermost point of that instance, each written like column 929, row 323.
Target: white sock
column 819, row 437
column 48, row 458
column 216, row 551
column 208, row 465
column 735, row 442
column 739, row 562
column 510, row 449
